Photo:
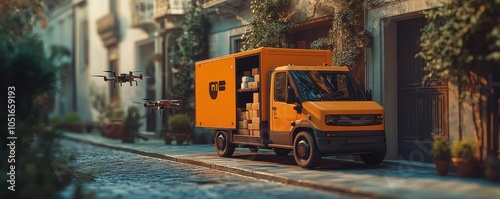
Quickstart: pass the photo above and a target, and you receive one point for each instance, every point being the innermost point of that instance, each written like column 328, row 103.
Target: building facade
column 137, row 34
column 414, row 112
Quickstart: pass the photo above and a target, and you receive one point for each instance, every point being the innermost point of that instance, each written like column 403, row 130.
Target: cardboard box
column 252, row 84
column 244, row 85
column 243, row 132
column 255, row 120
column 247, row 115
column 247, row 79
column 240, row 113
column 247, row 73
column 255, row 106
column 254, row 126
column 256, row 97
column 256, row 78
column 255, row 71
column 243, row 124
column 249, row 106
column 254, row 132
column 255, row 113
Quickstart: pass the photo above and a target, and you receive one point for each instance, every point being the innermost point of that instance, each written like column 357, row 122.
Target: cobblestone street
column 126, row 175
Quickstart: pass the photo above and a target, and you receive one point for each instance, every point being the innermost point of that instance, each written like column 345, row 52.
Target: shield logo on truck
column 214, row 88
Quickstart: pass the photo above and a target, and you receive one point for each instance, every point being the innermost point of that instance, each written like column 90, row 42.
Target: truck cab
column 320, row 110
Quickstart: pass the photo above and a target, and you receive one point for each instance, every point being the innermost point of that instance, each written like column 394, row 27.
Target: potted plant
column 111, row 125
column 167, row 136
column 131, row 125
column 180, row 126
column 72, row 122
column 463, row 157
column 442, row 154
column 492, row 171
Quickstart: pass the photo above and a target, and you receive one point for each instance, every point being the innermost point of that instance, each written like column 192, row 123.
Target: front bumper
column 356, row 142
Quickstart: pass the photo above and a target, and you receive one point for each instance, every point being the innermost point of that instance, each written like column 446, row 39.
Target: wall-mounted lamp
column 364, row 39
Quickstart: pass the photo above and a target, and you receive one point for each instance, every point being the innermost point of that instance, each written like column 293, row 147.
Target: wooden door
column 422, row 111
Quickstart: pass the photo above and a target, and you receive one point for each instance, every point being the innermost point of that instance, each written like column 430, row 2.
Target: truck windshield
column 326, row 86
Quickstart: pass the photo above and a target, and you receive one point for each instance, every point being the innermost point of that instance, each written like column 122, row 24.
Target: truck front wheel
column 305, row 151
column 222, row 145
column 373, row 158
column 281, row 152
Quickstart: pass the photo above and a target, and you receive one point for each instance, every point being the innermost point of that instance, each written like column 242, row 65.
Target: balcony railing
column 220, row 3
column 143, row 13
column 166, row 8
column 107, row 27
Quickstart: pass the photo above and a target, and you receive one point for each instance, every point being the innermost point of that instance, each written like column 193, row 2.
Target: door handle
column 274, row 113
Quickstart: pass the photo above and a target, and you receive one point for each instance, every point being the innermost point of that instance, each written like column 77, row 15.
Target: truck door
column 281, row 113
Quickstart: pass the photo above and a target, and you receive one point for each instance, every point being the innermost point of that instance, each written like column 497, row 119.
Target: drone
column 162, row 105
column 121, row 77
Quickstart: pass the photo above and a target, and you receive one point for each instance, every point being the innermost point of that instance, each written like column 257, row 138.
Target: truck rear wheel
column 222, row 145
column 281, row 152
column 305, row 151
column 373, row 158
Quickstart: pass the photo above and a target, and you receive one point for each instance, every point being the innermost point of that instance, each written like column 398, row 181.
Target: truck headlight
column 379, row 119
column 331, row 119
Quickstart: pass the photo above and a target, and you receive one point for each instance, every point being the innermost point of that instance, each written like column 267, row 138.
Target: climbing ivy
column 269, row 26
column 461, row 38
column 191, row 46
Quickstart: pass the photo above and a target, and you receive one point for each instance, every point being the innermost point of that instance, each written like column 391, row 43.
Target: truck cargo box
column 228, row 86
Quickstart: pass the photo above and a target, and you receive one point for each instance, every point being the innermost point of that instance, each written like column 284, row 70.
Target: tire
column 222, row 145
column 305, row 151
column 253, row 149
column 373, row 158
column 281, row 152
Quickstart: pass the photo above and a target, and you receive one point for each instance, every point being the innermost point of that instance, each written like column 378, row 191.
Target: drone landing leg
column 135, row 83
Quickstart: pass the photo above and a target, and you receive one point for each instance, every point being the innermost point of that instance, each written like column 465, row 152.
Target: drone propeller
column 99, row 76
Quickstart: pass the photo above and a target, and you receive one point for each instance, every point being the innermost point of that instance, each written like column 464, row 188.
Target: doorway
column 422, row 110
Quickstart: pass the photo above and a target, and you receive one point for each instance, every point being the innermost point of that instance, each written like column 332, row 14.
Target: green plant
column 441, row 148
column 72, row 117
column 346, row 22
column 116, row 111
column 464, row 148
column 190, row 47
column 461, row 37
column 132, row 121
column 180, row 124
column 270, row 25
column 324, row 43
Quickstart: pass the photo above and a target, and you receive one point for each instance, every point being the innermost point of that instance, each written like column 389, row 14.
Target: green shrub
column 180, row 123
column 464, row 149
column 441, row 148
column 72, row 117
column 133, row 119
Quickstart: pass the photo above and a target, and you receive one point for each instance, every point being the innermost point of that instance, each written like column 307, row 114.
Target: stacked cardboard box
column 250, row 79
column 242, row 122
column 249, row 117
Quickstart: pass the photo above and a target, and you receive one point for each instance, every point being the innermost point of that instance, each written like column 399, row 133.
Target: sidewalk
column 388, row 180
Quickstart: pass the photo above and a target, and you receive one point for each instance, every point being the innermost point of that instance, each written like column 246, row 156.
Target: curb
column 244, row 172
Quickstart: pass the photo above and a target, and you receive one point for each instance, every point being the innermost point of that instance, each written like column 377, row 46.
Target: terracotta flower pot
column 492, row 174
column 465, row 168
column 442, row 167
column 113, row 130
column 168, row 139
column 180, row 138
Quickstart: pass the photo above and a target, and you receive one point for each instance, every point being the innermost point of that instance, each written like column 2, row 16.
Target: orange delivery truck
column 287, row 100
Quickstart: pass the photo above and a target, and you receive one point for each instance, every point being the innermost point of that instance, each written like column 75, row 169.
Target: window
column 280, row 87
column 236, row 44
column 326, row 86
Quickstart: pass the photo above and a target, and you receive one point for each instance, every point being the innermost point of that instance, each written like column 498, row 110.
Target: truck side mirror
column 290, row 98
column 368, row 95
